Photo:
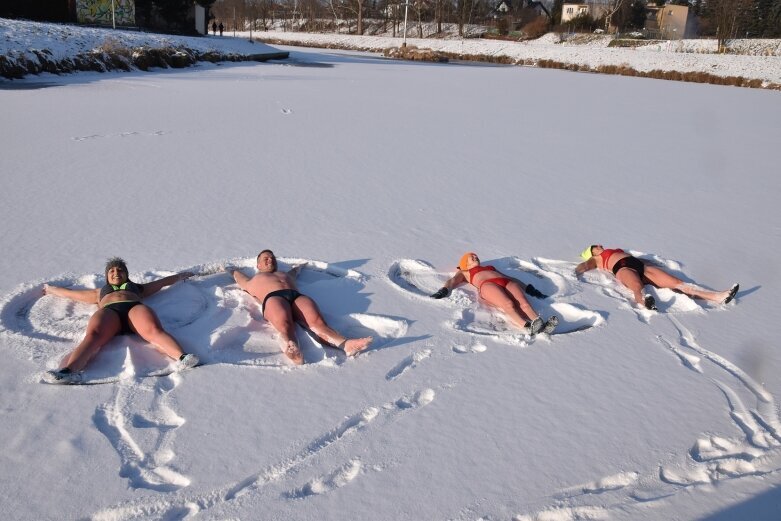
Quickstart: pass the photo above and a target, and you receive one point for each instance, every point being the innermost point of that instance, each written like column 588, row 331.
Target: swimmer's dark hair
column 115, row 262
column 257, row 259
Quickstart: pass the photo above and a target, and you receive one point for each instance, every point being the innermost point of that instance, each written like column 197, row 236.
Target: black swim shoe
column 550, row 325
column 732, row 292
column 649, row 302
column 536, row 326
column 62, row 377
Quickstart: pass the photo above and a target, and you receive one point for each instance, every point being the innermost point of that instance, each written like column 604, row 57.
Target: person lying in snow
column 635, row 273
column 500, row 291
column 121, row 312
column 283, row 306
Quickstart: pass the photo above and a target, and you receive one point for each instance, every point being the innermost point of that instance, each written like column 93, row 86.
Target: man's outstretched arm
column 241, row 279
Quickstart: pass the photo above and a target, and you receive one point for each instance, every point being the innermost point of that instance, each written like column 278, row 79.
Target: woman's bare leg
column 277, row 311
column 629, row 278
column 662, row 279
column 515, row 289
column 144, row 322
column 306, row 311
column 102, row 327
column 499, row 297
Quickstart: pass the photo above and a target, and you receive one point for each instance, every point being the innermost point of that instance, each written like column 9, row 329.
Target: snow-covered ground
column 379, row 174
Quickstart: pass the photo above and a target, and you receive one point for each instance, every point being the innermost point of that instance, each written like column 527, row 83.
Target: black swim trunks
column 122, row 309
column 288, row 294
column 631, row 263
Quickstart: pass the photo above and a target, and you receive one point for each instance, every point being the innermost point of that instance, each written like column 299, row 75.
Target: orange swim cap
column 464, row 260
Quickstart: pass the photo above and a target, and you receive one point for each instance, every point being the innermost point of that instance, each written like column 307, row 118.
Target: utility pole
column 406, row 10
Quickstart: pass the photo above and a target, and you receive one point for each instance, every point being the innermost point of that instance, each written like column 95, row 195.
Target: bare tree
column 730, row 18
column 612, row 7
column 420, row 7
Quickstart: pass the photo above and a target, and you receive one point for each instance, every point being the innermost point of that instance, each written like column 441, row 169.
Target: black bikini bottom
column 631, row 263
column 122, row 309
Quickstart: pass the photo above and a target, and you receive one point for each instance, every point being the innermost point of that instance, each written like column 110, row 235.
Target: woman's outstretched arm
column 585, row 266
column 150, row 288
column 88, row 296
column 453, row 282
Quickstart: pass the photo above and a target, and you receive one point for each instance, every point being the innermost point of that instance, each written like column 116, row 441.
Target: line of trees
column 738, row 18
column 718, row 18
column 323, row 15
column 722, row 19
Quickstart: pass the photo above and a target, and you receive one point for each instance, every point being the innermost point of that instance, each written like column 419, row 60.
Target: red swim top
column 605, row 255
column 477, row 269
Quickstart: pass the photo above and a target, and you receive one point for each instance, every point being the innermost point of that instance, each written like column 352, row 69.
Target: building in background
column 595, row 10
column 667, row 22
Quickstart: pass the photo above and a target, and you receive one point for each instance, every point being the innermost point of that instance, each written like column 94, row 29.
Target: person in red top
column 635, row 273
column 500, row 291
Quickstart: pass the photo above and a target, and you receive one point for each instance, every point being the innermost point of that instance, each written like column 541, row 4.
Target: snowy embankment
column 592, row 56
column 32, row 47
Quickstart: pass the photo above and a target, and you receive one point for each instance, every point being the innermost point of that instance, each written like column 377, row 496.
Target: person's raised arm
column 88, row 296
column 585, row 266
column 239, row 277
column 453, row 282
column 150, row 288
column 295, row 270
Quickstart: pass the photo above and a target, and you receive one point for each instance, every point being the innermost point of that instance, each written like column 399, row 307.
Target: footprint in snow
column 408, row 363
column 474, row 348
column 324, row 484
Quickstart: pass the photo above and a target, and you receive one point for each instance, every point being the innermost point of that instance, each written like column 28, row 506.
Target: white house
column 594, row 10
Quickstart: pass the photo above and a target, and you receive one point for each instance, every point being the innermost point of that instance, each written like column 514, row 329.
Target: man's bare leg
column 306, row 311
column 279, row 315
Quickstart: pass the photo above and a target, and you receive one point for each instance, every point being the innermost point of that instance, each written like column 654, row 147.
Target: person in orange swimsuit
column 635, row 273
column 500, row 291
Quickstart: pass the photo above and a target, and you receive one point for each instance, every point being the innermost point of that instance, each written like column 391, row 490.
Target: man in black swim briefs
column 284, row 307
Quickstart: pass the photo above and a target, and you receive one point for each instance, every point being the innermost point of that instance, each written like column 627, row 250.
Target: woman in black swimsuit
column 121, row 312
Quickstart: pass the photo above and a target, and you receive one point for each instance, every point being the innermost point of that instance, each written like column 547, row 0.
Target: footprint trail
column 255, row 484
